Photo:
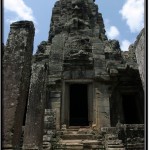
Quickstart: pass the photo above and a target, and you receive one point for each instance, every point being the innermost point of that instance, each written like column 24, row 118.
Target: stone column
column 16, row 77
column 33, row 132
column 103, row 108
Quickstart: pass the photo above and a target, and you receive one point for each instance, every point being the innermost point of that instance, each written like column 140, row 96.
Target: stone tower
column 82, row 86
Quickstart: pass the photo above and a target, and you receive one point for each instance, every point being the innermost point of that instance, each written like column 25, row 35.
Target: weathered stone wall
column 33, row 131
column 141, row 55
column 16, row 77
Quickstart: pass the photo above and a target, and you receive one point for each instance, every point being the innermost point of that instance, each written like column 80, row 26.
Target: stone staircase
column 78, row 139
column 125, row 137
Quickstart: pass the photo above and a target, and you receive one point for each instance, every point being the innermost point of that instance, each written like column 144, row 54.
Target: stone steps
column 93, row 144
column 76, row 136
column 79, row 144
column 69, row 145
column 89, row 142
column 78, row 139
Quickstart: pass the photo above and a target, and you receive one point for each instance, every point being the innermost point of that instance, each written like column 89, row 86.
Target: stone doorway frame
column 65, row 100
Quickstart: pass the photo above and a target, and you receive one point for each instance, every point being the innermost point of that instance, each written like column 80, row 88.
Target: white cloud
column 133, row 12
column 22, row 11
column 113, row 32
column 125, row 45
column 12, row 20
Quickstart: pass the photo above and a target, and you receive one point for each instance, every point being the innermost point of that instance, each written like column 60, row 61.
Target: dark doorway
column 78, row 105
column 133, row 109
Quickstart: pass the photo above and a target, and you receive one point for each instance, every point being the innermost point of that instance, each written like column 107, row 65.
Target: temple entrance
column 78, row 115
column 133, row 109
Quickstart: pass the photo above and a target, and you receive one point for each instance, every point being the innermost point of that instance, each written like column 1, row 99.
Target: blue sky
column 123, row 19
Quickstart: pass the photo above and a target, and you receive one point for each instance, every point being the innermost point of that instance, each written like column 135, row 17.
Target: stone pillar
column 16, row 77
column 33, row 132
column 103, row 108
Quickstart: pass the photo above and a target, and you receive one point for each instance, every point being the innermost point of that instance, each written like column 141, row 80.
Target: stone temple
column 78, row 92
